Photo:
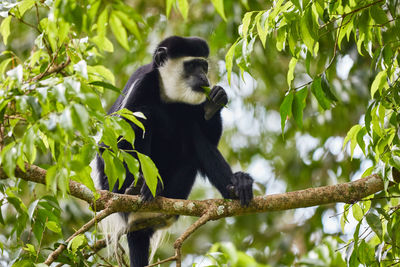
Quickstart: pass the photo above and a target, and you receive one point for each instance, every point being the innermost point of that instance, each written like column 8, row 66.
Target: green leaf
column 219, row 6
column 286, row 109
column 30, row 248
column 169, row 7
column 299, row 103
column 262, row 33
column 375, row 223
column 1, row 213
column 5, row 29
column 25, row 6
column 129, row 23
column 103, row 73
column 132, row 163
column 53, row 226
column 106, row 85
column 327, row 89
column 352, row 137
column 83, row 176
column 290, row 74
column 126, row 131
column 35, row 107
column 150, row 172
column 378, row 83
column 29, row 145
column 305, row 29
column 297, row 4
column 348, row 24
column 126, row 113
column 51, row 179
column 281, row 38
column 229, row 60
column 109, row 169
column 316, row 89
column 119, row 31
column 63, row 31
column 360, row 139
column 103, row 43
column 109, row 138
column 4, row 65
column 365, row 253
column 102, row 23
column 378, row 14
column 80, row 118
column 368, row 118
column 120, row 171
column 246, row 23
column 183, row 7
column 357, row 212
column 8, row 159
column 77, row 242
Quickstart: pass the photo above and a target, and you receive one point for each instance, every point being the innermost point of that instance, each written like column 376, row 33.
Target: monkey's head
column 183, row 67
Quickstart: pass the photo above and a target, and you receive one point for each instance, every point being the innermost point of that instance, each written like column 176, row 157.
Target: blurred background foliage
column 301, row 76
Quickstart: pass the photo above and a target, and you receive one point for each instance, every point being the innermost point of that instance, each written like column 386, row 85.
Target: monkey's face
column 182, row 80
column 195, row 73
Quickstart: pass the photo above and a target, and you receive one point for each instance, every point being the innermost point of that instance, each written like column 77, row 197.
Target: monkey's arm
column 214, row 166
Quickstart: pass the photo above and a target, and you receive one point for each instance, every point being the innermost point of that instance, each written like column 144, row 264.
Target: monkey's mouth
column 199, row 89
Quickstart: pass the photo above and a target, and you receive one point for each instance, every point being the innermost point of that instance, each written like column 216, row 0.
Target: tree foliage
column 306, row 79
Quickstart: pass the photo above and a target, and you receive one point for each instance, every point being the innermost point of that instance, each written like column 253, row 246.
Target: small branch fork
column 178, row 242
column 211, row 209
column 52, row 67
column 101, row 215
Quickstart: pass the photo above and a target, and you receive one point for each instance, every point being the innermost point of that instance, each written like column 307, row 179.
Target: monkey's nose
column 204, row 80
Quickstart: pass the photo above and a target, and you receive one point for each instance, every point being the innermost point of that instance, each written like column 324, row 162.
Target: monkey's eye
column 190, row 66
column 204, row 65
column 193, row 66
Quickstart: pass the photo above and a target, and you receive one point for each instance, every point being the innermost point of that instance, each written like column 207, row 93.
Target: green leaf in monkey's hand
column 207, row 91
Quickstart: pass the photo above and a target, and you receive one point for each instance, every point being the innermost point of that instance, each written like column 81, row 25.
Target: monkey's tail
column 139, row 243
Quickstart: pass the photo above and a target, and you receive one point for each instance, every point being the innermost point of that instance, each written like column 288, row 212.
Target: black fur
column 180, row 46
column 178, row 138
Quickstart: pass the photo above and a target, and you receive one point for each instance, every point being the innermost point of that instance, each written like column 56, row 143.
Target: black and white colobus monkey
column 182, row 131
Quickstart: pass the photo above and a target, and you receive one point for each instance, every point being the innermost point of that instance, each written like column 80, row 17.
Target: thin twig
column 48, row 48
column 336, row 44
column 26, row 23
column 101, row 215
column 55, row 69
column 173, row 258
column 178, row 243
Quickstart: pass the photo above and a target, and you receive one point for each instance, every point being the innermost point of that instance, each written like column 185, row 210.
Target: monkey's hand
column 242, row 187
column 216, row 100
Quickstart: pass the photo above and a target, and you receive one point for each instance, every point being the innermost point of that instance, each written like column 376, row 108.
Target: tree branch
column 211, row 209
column 346, row 192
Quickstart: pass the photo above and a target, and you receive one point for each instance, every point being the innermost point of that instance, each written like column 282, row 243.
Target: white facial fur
column 173, row 85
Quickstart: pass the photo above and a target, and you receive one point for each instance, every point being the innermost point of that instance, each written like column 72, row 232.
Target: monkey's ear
column 160, row 56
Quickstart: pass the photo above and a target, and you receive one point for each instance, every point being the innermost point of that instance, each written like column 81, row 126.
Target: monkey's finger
column 249, row 195
column 146, row 197
column 242, row 197
column 214, row 91
column 221, row 98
